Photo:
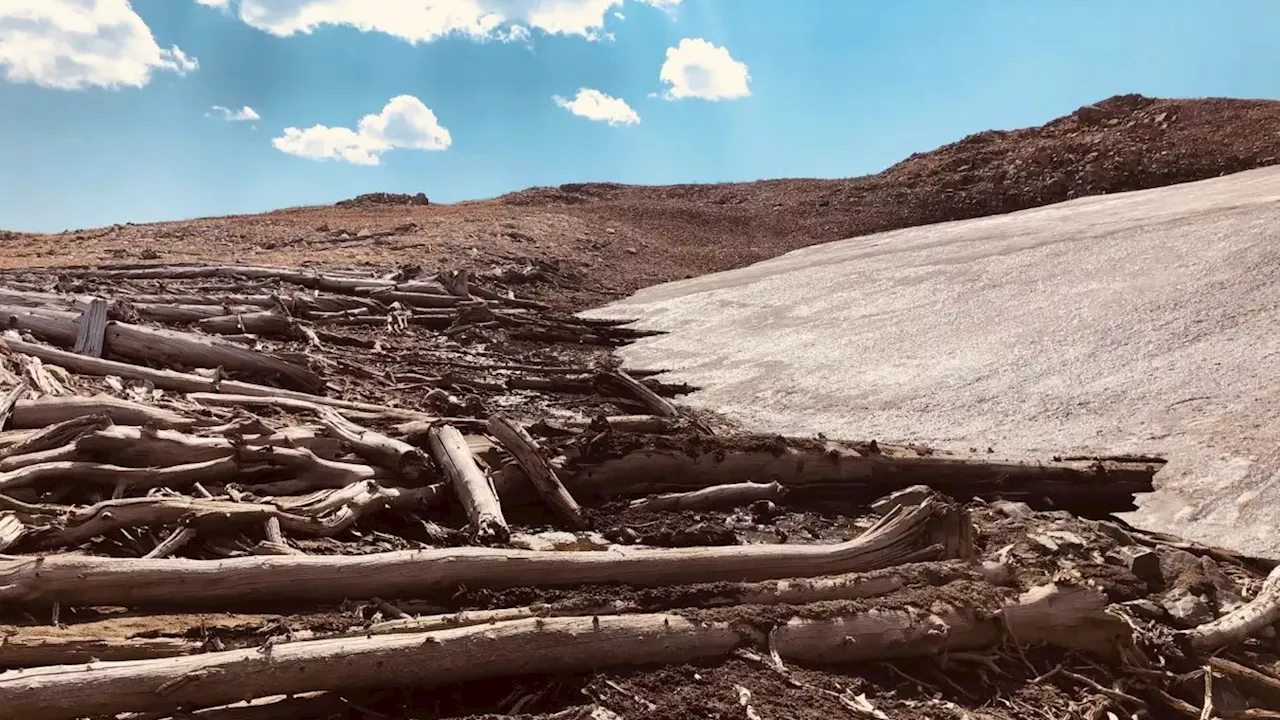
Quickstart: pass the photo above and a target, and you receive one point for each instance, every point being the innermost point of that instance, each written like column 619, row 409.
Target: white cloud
column 595, row 105
column 427, row 20
column 698, row 69
column 76, row 44
column 243, row 114
column 404, row 123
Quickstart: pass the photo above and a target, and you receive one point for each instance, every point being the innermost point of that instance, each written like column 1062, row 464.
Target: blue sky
column 114, row 111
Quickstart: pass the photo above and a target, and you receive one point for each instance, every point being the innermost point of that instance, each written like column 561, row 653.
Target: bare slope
column 595, row 241
column 1144, row 322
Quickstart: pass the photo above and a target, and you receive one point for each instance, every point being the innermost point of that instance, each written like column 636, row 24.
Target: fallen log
column 108, row 516
column 143, row 447
column 541, row 645
column 9, row 401
column 930, row 531
column 26, row 649
column 255, row 322
column 186, row 382
column 222, row 470
column 309, row 404
column 848, row 586
column 55, row 435
column 526, row 452
column 46, row 411
column 854, row 472
column 1242, row 623
column 59, row 454
column 712, row 497
column 396, row 456
column 183, row 314
column 473, row 486
column 168, row 347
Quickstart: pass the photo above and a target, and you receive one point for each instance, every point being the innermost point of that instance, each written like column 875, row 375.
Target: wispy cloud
column 595, row 105
column 244, row 114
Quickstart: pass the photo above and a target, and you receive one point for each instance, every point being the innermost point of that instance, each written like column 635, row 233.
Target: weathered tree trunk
column 184, row 382
column 46, row 411
column 1240, row 624
column 474, row 487
column 93, row 329
column 861, row 472
column 537, row 645
column 848, row 586
column 526, row 452
column 715, row 496
column 396, row 456
column 168, row 347
column 9, row 401
column 142, row 447
column 221, row 470
column 259, row 322
column 56, row 435
column 27, row 649
column 931, row 531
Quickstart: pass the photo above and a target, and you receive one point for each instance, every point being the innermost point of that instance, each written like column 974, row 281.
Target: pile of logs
column 167, row 451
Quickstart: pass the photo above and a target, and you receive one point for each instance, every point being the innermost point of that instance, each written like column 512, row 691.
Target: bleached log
column 296, row 404
column 169, row 347
column 9, row 402
column 931, row 531
column 56, row 435
column 221, row 470
column 297, row 303
column 397, row 456
column 45, row 411
column 12, row 529
column 311, row 472
column 332, row 282
column 93, row 329
column 473, row 486
column 27, row 649
column 60, row 454
column 1242, row 623
column 526, row 452
column 259, row 322
column 859, row 472
column 108, row 516
column 848, row 586
column 537, row 645
column 182, row 314
column 712, row 497
column 185, row 382
column 142, row 447
column 657, row 404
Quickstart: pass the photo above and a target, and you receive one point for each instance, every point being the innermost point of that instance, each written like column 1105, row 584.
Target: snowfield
column 1145, row 322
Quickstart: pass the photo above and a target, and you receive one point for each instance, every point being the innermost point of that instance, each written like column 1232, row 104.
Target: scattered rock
column 1186, row 609
column 1144, row 563
column 382, row 198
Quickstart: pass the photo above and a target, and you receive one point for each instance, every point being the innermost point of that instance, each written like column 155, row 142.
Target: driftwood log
column 168, row 347
column 711, row 497
column 472, row 485
column 144, row 447
column 48, row 411
column 184, row 382
column 396, row 456
column 1242, row 623
column 854, row 472
column 931, row 531
column 544, row 478
column 1074, row 618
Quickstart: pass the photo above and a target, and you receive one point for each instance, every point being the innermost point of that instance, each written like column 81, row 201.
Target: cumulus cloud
column 244, row 114
column 427, row 20
column 77, row 44
column 404, row 123
column 698, row 69
column 595, row 105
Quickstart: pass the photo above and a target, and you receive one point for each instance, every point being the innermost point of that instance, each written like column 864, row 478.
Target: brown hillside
column 595, row 240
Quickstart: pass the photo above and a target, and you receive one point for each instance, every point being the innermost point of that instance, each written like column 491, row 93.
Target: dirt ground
column 590, row 243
